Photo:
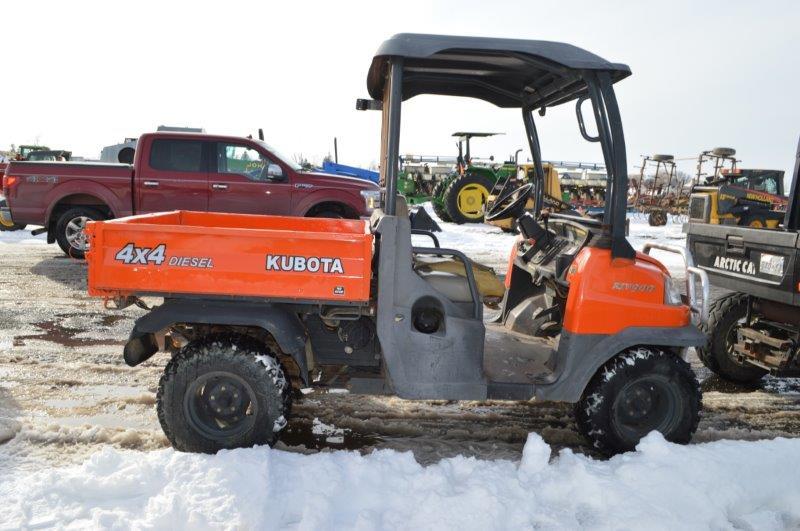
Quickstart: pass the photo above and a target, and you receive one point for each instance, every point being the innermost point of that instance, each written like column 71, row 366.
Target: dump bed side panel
column 758, row 262
column 158, row 254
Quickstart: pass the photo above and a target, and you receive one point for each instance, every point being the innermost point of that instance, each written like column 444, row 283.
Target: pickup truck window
column 177, row 155
column 242, row 160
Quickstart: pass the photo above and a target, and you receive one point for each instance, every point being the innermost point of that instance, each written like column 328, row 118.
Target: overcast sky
column 82, row 75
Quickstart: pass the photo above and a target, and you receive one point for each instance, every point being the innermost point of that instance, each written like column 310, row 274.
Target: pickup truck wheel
column 223, row 392
column 724, row 316
column 636, row 392
column 330, row 214
column 70, row 230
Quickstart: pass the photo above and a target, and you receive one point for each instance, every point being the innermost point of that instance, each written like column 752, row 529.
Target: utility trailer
column 754, row 330
column 254, row 306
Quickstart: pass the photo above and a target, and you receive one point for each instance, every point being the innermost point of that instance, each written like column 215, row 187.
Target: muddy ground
column 65, row 390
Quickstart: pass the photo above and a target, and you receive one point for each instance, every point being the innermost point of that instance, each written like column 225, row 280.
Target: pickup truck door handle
column 151, row 184
column 217, row 186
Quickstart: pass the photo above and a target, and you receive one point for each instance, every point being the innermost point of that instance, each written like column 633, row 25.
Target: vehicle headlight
column 671, row 294
column 372, row 199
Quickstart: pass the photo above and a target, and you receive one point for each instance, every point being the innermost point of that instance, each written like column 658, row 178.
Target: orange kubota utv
column 254, row 305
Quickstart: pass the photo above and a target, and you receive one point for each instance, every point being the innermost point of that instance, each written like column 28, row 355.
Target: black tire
column 438, row 207
column 65, row 227
column 754, row 220
column 657, row 218
column 638, row 391
column 723, row 152
column 185, row 401
column 451, row 196
column 11, row 227
column 723, row 316
column 662, row 158
column 331, row 214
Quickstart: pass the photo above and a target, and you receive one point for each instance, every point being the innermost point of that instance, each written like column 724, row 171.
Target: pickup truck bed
column 44, row 183
column 209, row 255
column 758, row 262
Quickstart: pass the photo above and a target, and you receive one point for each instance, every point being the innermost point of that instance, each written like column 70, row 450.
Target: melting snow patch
column 717, row 485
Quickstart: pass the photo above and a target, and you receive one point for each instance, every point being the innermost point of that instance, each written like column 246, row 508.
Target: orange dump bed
column 207, row 254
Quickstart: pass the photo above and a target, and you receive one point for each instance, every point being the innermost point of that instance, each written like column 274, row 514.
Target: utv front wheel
column 224, row 392
column 639, row 391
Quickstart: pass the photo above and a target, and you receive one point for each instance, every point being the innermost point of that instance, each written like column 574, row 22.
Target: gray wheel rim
column 75, row 233
column 645, row 404
column 220, row 405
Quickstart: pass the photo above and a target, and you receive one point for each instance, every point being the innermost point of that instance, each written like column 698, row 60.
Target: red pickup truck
column 174, row 171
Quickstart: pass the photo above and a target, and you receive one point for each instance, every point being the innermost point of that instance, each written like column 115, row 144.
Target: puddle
column 316, row 435
column 715, row 383
column 62, row 335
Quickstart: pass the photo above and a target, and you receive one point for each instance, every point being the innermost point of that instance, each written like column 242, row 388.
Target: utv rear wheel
column 639, row 391
column 437, row 200
column 724, row 317
column 71, row 230
column 223, row 392
column 465, row 198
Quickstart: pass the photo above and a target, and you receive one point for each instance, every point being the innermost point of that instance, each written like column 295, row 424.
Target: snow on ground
column 720, row 485
column 69, row 409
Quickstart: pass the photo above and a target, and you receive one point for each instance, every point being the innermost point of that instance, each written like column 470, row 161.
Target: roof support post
column 791, row 221
column 390, row 142
column 612, row 141
column 536, row 154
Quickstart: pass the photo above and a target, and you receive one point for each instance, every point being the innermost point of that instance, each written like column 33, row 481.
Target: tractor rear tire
column 460, row 196
column 221, row 392
column 641, row 390
column 437, row 200
column 724, row 315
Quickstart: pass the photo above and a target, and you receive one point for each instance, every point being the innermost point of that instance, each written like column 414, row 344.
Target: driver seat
column 448, row 276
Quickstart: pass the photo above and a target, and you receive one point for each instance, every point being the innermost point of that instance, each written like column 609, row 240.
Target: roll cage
column 510, row 73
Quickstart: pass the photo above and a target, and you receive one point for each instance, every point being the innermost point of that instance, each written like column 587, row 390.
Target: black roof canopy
column 505, row 72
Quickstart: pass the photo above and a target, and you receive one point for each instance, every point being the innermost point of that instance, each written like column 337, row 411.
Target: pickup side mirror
column 274, row 172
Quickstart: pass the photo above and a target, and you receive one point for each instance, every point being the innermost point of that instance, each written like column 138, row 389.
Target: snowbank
column 750, row 485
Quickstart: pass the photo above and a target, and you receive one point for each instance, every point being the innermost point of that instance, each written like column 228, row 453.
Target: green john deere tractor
column 462, row 196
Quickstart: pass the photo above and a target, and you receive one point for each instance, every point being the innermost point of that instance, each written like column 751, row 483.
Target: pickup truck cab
column 174, row 171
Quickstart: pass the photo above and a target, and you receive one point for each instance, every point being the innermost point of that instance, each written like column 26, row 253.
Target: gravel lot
column 65, row 390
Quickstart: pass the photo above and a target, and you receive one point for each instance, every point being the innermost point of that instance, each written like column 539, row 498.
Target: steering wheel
column 507, row 206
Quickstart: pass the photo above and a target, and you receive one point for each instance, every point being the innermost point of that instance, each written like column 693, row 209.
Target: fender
column 284, row 325
column 580, row 356
column 329, row 195
column 86, row 187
